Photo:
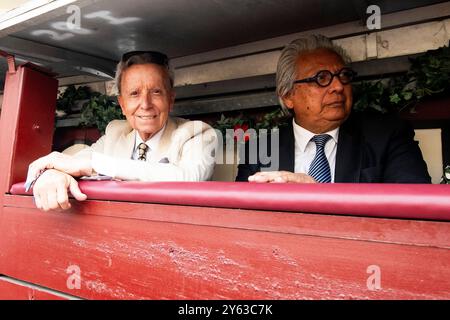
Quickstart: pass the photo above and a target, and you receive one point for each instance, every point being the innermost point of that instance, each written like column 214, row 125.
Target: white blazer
column 186, row 152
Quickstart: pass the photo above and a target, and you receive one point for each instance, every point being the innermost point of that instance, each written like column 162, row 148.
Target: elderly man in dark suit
column 323, row 143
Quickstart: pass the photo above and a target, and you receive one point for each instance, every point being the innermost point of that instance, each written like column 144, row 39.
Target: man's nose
column 336, row 85
column 146, row 101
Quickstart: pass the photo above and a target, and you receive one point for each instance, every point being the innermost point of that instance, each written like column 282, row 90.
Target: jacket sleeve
column 86, row 152
column 404, row 163
column 245, row 169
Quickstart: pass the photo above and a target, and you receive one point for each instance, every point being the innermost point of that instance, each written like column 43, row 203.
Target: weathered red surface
column 26, row 122
column 402, row 231
column 14, row 291
column 134, row 251
column 26, row 130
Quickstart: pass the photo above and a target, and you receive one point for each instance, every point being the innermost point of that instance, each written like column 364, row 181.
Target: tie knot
column 142, row 148
column 321, row 139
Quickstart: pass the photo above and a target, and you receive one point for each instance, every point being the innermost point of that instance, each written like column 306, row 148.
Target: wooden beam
column 376, row 45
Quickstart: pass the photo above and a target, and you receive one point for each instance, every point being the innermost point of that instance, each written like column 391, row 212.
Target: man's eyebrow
column 323, row 67
column 308, row 71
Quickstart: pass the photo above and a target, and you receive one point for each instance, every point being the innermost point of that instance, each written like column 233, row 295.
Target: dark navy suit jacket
column 371, row 148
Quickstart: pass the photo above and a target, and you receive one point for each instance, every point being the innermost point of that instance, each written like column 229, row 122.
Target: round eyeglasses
column 324, row 77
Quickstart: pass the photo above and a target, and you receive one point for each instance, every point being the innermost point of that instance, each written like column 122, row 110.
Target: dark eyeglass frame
column 155, row 57
column 338, row 74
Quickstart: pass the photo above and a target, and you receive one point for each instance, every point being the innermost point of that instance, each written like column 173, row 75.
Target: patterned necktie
column 142, row 151
column 320, row 168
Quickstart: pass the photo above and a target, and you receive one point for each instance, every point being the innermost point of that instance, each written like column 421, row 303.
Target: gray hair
column 287, row 63
column 143, row 58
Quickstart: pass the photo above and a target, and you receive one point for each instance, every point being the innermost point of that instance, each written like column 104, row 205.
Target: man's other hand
column 74, row 166
column 50, row 190
column 281, row 177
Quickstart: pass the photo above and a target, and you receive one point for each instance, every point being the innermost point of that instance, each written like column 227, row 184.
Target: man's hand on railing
column 50, row 190
column 281, row 177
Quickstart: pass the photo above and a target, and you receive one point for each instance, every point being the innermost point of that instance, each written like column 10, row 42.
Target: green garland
column 99, row 111
column 429, row 75
column 70, row 96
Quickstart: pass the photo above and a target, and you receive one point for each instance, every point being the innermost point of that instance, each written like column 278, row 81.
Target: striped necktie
column 142, row 151
column 320, row 168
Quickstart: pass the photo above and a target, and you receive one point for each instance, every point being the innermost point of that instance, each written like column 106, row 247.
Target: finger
column 268, row 176
column 303, row 178
column 44, row 201
column 254, row 177
column 310, row 179
column 36, row 167
column 62, row 197
column 32, row 173
column 75, row 190
column 37, row 201
column 52, row 199
column 37, row 196
column 280, row 179
column 39, row 164
column 289, row 177
column 262, row 178
column 262, row 174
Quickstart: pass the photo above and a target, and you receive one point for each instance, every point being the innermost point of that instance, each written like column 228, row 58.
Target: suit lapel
column 125, row 146
column 348, row 154
column 287, row 148
column 165, row 141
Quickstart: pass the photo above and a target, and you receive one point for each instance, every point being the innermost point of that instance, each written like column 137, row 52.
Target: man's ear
column 288, row 101
column 120, row 100
column 172, row 100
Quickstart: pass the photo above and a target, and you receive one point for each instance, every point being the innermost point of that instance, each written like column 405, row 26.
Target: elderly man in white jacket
column 148, row 146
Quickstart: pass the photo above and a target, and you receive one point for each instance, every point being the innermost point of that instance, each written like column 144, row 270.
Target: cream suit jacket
column 186, row 152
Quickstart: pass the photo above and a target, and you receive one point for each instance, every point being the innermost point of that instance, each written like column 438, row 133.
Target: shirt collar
column 303, row 136
column 152, row 143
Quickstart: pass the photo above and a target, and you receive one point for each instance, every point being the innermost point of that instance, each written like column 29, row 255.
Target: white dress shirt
column 305, row 149
column 152, row 144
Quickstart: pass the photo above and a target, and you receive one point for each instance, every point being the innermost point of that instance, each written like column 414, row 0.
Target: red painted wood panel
column 14, row 291
column 414, row 232
column 133, row 258
column 26, row 127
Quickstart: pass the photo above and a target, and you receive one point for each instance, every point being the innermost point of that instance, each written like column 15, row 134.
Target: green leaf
column 394, row 98
column 407, row 95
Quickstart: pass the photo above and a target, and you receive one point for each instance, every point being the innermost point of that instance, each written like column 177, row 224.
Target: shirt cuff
column 103, row 164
